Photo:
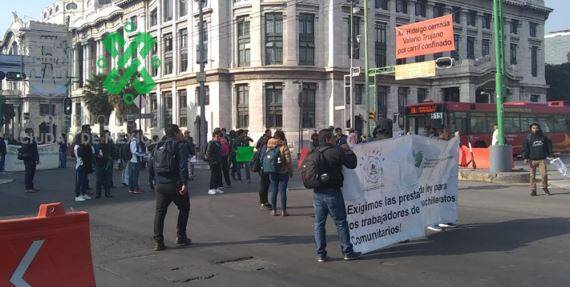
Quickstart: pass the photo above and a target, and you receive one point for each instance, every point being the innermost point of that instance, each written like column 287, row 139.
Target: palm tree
column 97, row 100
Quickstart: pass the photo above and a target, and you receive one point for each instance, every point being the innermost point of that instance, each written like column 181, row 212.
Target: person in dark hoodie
column 328, row 198
column 29, row 154
column 536, row 149
column 214, row 158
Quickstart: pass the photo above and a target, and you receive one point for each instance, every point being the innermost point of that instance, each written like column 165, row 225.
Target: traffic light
column 67, row 106
column 15, row 76
column 444, row 62
column 372, row 115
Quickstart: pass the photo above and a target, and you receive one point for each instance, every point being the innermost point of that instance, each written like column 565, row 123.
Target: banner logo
column 372, row 163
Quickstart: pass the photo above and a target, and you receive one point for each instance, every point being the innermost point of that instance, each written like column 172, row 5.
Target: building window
column 306, row 39
column 153, row 108
column 154, row 69
column 243, row 42
column 134, row 21
column 273, row 105
column 383, row 92
column 308, row 103
column 402, row 99
column 534, row 61
column 380, row 45
column 206, row 96
column 183, row 45
column 166, row 10
column 514, row 26
column 438, row 10
column 182, row 8
column 514, row 50
column 422, row 94
column 533, row 28
column 401, row 61
column 242, row 92
column 167, row 54
column 455, row 53
column 471, row 48
column 78, row 114
column 153, row 18
column 456, row 14
column 534, row 98
column 420, row 59
column 353, row 40
column 46, row 111
column 485, row 47
column 358, row 94
column 472, row 18
column 273, row 38
column 167, row 107
column 451, row 94
column 487, row 18
column 381, row 4
column 421, row 7
column 183, row 108
column 402, row 6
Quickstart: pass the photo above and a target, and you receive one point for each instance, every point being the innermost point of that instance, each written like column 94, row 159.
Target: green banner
column 244, row 154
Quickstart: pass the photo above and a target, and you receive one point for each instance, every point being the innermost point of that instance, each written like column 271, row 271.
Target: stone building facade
column 42, row 49
column 265, row 55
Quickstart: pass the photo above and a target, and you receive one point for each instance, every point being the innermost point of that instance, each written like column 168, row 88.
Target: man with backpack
column 135, row 162
column 214, row 158
column 83, row 152
column 225, row 152
column 322, row 171
column 103, row 165
column 536, row 149
column 170, row 165
column 29, row 154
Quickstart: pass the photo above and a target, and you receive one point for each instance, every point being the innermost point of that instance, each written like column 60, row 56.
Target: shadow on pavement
column 485, row 237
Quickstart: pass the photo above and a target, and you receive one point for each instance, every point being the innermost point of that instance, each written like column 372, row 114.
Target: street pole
column 351, row 89
column 366, row 79
column 202, row 79
column 501, row 154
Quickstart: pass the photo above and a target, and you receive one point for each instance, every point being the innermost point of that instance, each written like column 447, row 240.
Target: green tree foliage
column 558, row 78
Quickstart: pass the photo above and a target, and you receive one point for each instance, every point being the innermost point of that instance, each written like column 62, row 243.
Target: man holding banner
column 328, row 198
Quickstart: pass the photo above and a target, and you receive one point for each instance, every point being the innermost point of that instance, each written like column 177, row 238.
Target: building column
column 467, row 93
column 76, row 71
column 479, row 39
column 464, row 35
column 88, row 61
column 291, row 41
column 175, row 104
column 99, row 54
column 391, row 37
column 256, row 38
column 159, row 109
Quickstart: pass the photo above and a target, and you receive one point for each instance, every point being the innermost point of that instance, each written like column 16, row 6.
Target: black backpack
column 313, row 166
column 165, row 162
column 126, row 154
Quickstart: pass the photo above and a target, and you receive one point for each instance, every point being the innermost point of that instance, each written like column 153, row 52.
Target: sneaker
column 547, row 191
column 533, row 193
column 352, row 256
column 219, row 190
column 183, row 241
column 138, row 191
column 159, row 246
column 265, row 206
column 212, row 192
column 79, row 198
column 274, row 212
column 434, row 228
column 86, row 197
column 284, row 213
column 322, row 258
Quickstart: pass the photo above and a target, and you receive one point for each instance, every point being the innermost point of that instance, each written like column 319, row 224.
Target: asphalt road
column 506, row 238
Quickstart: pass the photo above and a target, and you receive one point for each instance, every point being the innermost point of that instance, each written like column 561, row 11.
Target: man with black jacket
column 29, row 154
column 328, row 197
column 214, row 158
column 536, row 149
column 172, row 187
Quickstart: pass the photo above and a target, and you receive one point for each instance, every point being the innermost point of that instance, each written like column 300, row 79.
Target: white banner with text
column 400, row 187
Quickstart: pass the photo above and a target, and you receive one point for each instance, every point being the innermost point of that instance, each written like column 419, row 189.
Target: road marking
column 18, row 277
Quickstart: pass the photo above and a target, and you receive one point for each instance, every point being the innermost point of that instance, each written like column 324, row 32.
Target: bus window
column 545, row 124
column 512, row 124
column 478, row 124
column 560, row 124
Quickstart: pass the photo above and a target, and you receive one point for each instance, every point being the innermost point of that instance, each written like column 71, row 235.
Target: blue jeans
column 278, row 183
column 330, row 201
column 134, row 175
column 103, row 180
column 245, row 165
column 2, row 161
column 62, row 159
column 80, row 181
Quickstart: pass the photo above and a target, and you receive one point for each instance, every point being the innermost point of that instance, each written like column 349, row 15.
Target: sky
column 31, row 10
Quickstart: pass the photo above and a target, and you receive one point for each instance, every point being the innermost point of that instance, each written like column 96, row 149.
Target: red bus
column 475, row 121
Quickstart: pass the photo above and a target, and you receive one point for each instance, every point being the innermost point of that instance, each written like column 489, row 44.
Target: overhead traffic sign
column 425, row 37
column 415, row 70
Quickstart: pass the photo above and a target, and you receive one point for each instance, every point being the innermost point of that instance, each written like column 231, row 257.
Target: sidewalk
column 554, row 178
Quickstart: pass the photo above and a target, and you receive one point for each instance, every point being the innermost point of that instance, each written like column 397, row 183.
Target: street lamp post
column 501, row 154
column 366, row 70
